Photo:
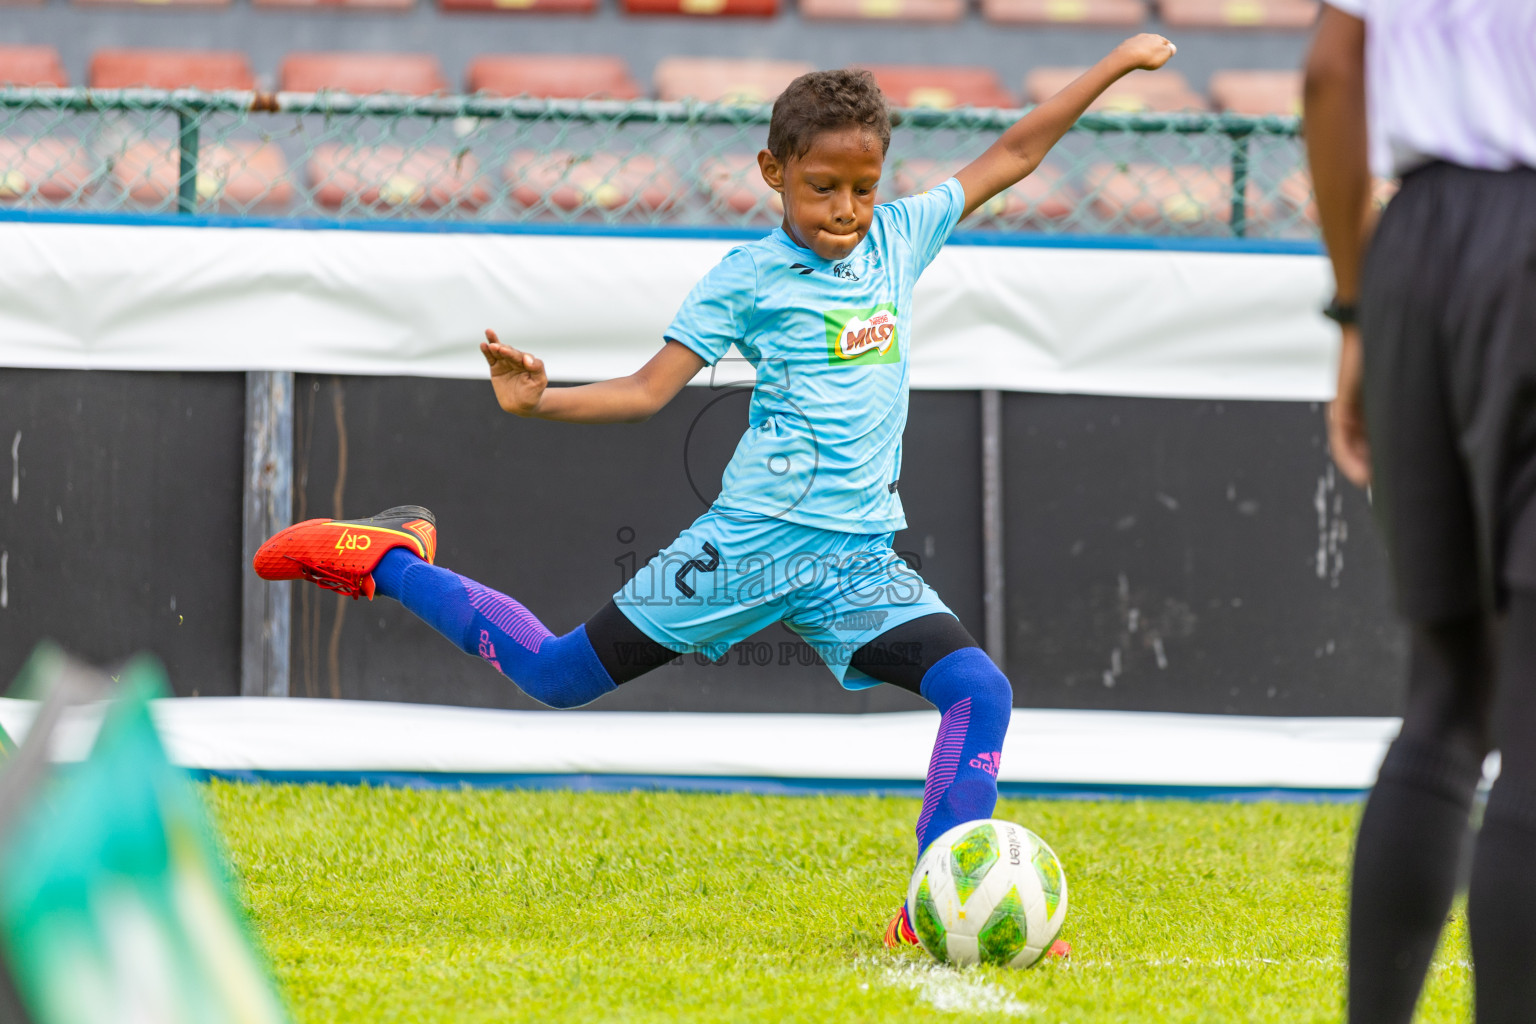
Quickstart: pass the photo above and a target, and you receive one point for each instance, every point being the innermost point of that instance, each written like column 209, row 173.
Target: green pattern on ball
column 1049, row 870
column 972, row 857
column 1006, row 932
column 925, row 921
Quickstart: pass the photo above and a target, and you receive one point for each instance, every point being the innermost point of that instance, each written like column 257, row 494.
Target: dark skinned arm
column 1336, row 152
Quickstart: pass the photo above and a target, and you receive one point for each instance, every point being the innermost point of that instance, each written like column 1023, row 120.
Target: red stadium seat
column 171, row 69
column 591, row 182
column 1039, row 201
column 1257, row 92
column 411, row 74
column 233, row 176
column 49, row 170
column 514, row 6
column 31, row 66
column 941, row 87
column 909, row 177
column 735, row 188
column 1150, row 198
column 567, row 77
column 355, row 5
column 1146, row 91
column 718, row 80
column 1269, row 14
column 381, row 178
column 153, row 3
column 884, row 10
column 1297, row 207
column 1065, row 12
column 704, row 8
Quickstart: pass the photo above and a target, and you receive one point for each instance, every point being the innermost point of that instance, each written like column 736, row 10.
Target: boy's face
column 829, row 193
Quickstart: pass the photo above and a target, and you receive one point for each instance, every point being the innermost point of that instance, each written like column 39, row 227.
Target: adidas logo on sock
column 988, row 762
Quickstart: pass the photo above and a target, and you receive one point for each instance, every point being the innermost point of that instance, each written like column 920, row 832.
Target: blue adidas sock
column 563, row 672
column 974, row 700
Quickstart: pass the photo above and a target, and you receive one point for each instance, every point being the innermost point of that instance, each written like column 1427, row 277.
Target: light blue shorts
column 732, row 573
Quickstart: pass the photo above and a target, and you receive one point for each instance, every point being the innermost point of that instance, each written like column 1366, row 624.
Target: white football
column 987, row 892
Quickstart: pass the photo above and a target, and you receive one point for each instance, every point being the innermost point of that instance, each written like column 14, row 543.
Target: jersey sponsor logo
column 863, row 335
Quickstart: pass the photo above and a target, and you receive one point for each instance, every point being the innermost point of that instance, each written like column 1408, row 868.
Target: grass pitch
column 397, row 905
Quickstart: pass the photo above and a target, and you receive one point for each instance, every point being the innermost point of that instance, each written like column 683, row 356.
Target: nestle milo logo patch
column 863, row 335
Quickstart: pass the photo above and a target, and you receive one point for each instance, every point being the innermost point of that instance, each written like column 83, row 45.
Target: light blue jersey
column 801, row 532
column 831, row 345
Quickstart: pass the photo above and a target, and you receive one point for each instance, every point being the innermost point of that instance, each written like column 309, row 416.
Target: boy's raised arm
column 1019, row 150
column 523, row 389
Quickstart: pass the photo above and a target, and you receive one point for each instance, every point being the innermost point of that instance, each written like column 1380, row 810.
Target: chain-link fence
column 602, row 162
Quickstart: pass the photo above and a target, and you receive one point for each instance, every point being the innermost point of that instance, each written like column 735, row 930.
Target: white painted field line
column 910, row 975
column 951, row 991
column 1185, row 961
column 1256, row 961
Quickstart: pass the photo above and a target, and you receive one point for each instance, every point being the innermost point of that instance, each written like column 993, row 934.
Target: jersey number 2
column 696, row 563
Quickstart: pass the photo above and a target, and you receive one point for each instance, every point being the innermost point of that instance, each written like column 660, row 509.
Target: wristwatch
column 1340, row 312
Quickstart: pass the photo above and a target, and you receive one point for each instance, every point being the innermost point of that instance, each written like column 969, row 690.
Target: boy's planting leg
column 392, row 554
column 935, row 657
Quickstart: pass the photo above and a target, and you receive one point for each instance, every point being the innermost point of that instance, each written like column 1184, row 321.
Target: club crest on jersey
column 863, row 335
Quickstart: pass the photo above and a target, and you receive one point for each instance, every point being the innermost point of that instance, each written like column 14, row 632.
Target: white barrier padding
column 1077, row 748
column 1084, row 320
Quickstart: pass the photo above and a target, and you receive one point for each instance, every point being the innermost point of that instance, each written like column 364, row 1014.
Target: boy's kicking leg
column 392, row 554
column 936, row 657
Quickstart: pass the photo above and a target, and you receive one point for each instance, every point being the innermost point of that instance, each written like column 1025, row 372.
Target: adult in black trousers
column 1436, row 414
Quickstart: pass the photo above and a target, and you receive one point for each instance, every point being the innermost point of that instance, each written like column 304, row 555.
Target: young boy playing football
column 801, row 532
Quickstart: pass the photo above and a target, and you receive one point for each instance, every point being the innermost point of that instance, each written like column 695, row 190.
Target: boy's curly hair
column 823, row 101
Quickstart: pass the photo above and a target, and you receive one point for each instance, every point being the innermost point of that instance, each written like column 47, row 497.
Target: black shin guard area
column 624, row 650
column 903, row 654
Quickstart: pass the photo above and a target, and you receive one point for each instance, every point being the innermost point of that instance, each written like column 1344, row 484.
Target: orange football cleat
column 899, row 932
column 341, row 554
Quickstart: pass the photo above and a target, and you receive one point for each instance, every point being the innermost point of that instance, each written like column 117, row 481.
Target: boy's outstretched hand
column 1147, row 52
column 517, row 377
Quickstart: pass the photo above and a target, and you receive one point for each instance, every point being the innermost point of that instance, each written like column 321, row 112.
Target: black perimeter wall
column 1163, row 555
